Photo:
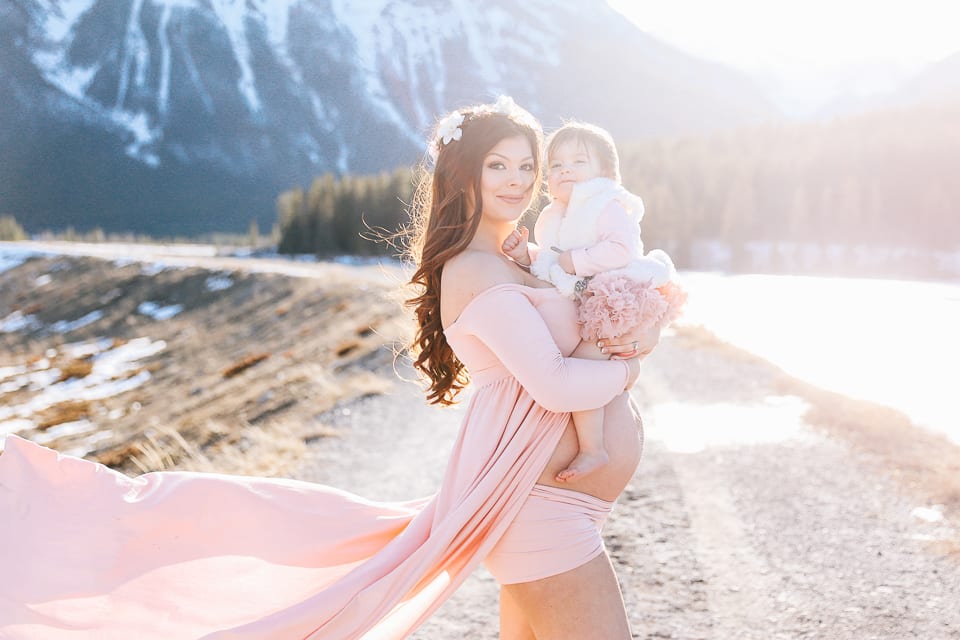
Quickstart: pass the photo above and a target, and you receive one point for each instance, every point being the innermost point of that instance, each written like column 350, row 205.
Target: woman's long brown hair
column 442, row 225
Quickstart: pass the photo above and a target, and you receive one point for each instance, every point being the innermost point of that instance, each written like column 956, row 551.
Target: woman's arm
column 511, row 327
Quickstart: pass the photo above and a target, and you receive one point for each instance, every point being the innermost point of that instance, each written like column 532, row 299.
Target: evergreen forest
column 885, row 180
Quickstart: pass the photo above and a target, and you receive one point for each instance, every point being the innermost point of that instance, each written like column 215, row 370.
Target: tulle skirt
column 611, row 304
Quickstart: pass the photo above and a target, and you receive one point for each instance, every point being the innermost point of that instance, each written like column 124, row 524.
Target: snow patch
column 163, row 91
column 12, row 256
column 9, row 372
column 88, row 444
column 43, row 280
column 157, row 312
column 144, row 135
column 363, row 23
column 14, row 426
column 17, row 321
column 153, row 268
column 218, row 283
column 65, row 429
column 110, row 376
column 233, row 14
column 63, row 326
column 58, row 19
column 78, row 350
column 275, row 15
column 929, row 514
column 73, row 81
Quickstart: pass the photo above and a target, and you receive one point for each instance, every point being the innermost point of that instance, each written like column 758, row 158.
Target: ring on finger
column 636, row 345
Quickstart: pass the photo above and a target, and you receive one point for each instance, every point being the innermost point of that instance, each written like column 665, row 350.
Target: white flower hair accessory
column 449, row 128
column 505, row 105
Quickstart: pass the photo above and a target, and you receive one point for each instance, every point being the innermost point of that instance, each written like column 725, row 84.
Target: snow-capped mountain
column 179, row 116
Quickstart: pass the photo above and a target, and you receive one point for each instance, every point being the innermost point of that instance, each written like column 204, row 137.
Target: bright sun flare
column 819, row 33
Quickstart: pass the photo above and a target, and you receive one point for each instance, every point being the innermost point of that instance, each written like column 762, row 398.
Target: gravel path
column 795, row 536
column 741, row 522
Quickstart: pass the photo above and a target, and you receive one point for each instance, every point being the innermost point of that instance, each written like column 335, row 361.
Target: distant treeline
column 886, row 179
column 343, row 216
column 10, row 229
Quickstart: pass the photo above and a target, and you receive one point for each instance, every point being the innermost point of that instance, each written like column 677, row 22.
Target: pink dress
column 87, row 552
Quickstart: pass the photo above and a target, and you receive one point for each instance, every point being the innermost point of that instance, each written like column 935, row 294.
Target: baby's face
column 570, row 163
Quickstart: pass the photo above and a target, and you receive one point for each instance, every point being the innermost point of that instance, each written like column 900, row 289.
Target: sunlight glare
column 878, row 340
column 822, row 33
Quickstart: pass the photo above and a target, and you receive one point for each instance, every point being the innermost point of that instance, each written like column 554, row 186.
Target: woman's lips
column 512, row 199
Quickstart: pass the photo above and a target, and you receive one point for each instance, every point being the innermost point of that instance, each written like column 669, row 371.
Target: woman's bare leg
column 583, row 603
column 513, row 622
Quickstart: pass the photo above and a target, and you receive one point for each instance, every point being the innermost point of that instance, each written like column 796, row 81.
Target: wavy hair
column 442, row 225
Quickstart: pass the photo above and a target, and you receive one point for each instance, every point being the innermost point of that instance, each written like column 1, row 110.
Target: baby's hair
column 597, row 141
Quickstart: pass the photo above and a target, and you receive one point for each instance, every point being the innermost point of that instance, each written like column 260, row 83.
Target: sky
column 818, row 33
column 808, row 53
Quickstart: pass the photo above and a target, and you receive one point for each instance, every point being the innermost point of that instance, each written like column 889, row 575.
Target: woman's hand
column 633, row 344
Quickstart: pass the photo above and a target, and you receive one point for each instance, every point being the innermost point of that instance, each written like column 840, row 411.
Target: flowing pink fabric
column 86, row 552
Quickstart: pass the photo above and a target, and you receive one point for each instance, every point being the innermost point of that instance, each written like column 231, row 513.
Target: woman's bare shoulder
column 468, row 274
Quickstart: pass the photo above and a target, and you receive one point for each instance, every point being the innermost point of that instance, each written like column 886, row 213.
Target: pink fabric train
column 86, row 552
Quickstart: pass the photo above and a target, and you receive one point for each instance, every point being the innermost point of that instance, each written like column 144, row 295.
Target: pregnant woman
column 480, row 312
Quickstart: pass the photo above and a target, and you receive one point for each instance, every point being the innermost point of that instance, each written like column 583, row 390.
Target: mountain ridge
column 186, row 116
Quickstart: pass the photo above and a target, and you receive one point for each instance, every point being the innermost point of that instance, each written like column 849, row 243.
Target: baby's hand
column 515, row 246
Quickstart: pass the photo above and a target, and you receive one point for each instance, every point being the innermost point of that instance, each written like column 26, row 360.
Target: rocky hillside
column 143, row 366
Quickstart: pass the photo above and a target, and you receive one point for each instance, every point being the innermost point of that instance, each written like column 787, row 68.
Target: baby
column 589, row 247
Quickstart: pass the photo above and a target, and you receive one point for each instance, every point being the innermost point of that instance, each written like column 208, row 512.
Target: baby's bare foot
column 585, row 462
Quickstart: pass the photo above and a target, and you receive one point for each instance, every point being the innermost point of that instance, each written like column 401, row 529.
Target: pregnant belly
column 623, row 438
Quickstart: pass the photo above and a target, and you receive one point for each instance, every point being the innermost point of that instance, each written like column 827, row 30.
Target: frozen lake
column 891, row 342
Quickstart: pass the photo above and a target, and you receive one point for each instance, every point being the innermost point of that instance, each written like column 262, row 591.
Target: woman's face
column 506, row 181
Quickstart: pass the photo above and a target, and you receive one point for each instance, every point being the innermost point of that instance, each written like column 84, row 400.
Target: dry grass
column 69, row 411
column 926, row 463
column 243, row 364
column 74, row 369
column 205, row 407
column 699, row 338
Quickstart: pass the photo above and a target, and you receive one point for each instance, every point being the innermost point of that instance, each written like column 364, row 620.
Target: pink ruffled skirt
column 612, row 304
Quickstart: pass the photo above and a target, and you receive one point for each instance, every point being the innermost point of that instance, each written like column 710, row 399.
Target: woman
column 90, row 553
column 480, row 308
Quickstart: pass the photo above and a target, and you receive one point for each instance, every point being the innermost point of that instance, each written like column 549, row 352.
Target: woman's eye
column 555, row 165
column 496, row 165
column 527, row 167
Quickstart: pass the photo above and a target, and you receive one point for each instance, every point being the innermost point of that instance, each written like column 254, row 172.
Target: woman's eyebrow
column 500, row 155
